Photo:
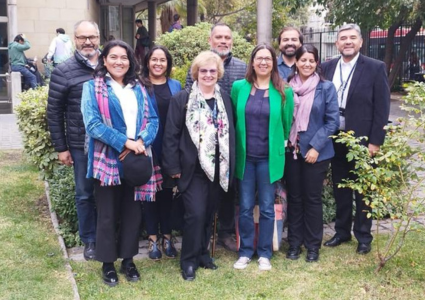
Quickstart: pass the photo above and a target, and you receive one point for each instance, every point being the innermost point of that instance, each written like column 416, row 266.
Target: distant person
column 142, row 37
column 18, row 61
column 414, row 65
column 289, row 40
column 60, row 48
column 176, row 25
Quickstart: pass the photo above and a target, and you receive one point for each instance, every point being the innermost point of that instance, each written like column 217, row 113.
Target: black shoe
column 188, row 273
column 110, row 277
column 293, row 253
column 130, row 272
column 336, row 241
column 210, row 265
column 154, row 252
column 229, row 243
column 168, row 248
column 312, row 255
column 363, row 248
column 90, row 251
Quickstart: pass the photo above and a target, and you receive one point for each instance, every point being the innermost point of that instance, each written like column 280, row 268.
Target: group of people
column 233, row 127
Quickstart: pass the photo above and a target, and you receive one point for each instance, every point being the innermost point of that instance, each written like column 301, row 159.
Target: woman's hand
column 137, row 146
column 311, row 156
column 176, row 175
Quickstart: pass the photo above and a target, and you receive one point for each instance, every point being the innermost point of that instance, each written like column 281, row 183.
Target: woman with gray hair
column 198, row 149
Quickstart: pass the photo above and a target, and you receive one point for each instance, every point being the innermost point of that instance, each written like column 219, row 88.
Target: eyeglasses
column 82, row 38
column 267, row 59
column 205, row 71
column 156, row 60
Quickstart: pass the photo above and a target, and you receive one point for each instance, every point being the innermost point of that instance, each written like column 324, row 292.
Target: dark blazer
column 368, row 100
column 323, row 122
column 179, row 154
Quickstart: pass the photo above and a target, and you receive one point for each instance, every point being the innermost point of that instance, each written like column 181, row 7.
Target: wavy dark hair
column 277, row 82
column 145, row 68
column 134, row 70
column 307, row 48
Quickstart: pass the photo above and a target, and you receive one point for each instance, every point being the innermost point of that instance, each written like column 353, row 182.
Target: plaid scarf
column 105, row 164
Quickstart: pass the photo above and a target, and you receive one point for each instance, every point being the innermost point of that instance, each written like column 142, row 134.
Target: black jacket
column 179, row 154
column 63, row 107
column 368, row 99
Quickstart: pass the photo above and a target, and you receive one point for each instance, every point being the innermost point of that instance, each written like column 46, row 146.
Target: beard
column 223, row 53
column 291, row 52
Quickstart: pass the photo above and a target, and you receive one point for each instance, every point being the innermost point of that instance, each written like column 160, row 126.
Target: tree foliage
column 393, row 181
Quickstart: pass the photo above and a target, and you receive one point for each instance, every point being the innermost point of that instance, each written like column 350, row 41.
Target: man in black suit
column 364, row 104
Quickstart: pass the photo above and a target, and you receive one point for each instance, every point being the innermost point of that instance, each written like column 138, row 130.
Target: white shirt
column 345, row 69
column 129, row 106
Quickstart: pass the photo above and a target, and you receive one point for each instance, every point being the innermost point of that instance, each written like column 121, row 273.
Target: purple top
column 257, row 115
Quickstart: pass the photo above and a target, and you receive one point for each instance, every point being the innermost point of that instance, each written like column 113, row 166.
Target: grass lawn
column 31, row 262
column 32, row 267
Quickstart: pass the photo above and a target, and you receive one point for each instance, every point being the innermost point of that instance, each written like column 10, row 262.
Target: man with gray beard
column 66, row 124
column 221, row 42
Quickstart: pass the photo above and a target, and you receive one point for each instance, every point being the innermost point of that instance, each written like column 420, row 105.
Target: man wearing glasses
column 67, row 128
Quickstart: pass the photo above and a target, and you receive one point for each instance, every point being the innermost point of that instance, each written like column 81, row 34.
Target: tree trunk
column 389, row 45
column 404, row 47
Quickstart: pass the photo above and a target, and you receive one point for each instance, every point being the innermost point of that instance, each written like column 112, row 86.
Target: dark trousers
column 344, row 200
column 84, row 197
column 158, row 212
column 118, row 222
column 304, row 183
column 226, row 214
column 200, row 201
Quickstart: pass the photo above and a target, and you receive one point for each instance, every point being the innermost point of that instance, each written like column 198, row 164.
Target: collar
column 111, row 82
column 280, row 61
column 351, row 63
column 228, row 59
column 85, row 60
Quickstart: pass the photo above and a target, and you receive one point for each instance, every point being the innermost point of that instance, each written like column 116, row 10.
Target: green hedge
column 32, row 122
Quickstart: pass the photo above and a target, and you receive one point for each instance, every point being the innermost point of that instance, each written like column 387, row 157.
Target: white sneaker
column 264, row 264
column 241, row 263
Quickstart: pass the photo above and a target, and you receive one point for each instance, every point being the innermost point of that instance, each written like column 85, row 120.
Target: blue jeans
column 256, row 178
column 28, row 76
column 84, row 197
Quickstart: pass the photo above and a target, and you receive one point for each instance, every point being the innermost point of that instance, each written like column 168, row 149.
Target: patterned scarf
column 303, row 99
column 105, row 164
column 203, row 132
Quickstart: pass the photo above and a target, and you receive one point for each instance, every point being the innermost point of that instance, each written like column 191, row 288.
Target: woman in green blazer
column 263, row 108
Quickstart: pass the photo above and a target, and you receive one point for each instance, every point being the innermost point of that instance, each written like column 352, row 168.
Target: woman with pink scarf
column 316, row 117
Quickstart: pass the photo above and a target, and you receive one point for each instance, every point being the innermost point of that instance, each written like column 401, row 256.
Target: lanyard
column 344, row 84
column 214, row 114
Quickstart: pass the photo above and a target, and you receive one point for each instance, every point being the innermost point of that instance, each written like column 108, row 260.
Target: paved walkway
column 10, row 137
column 385, row 226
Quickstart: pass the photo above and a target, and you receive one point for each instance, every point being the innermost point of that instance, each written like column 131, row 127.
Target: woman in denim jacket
column 119, row 118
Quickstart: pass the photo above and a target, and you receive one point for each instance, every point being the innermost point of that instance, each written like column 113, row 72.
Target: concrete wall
column 38, row 20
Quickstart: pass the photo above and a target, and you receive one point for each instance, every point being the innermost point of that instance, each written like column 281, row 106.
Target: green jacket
column 16, row 53
column 279, row 127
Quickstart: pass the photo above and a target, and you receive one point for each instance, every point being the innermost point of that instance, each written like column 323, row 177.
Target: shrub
column 32, row 122
column 180, row 73
column 185, row 44
column 392, row 182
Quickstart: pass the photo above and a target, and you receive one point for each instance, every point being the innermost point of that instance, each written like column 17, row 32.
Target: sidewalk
column 385, row 227
column 10, row 137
